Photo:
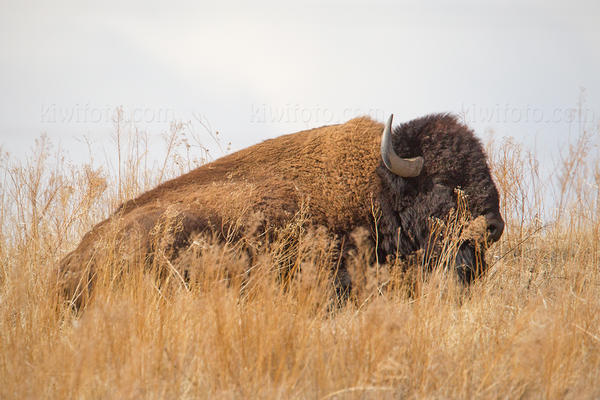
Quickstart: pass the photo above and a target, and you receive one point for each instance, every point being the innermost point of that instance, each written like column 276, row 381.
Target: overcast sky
column 256, row 70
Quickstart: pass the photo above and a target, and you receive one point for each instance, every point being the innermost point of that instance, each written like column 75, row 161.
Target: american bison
column 339, row 174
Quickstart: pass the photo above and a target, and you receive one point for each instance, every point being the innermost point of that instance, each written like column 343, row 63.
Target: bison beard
column 348, row 177
column 470, row 263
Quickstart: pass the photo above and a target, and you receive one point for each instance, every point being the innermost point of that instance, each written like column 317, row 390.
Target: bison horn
column 405, row 167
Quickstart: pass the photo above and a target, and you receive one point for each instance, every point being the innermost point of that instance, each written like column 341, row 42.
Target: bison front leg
column 356, row 264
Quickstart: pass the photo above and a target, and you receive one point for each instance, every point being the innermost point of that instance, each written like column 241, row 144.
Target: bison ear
column 405, row 167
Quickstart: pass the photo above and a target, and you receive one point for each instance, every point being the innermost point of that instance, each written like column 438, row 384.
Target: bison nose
column 495, row 226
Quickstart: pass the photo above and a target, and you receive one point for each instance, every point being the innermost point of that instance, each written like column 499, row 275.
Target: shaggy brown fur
column 334, row 171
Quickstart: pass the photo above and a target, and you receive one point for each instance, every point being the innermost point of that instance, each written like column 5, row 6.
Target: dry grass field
column 529, row 329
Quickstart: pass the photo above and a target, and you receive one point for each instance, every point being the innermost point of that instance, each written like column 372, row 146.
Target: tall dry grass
column 529, row 329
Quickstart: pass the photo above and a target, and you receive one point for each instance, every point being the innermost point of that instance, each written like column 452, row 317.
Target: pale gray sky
column 260, row 69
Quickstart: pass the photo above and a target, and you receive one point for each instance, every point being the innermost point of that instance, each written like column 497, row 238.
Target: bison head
column 427, row 164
